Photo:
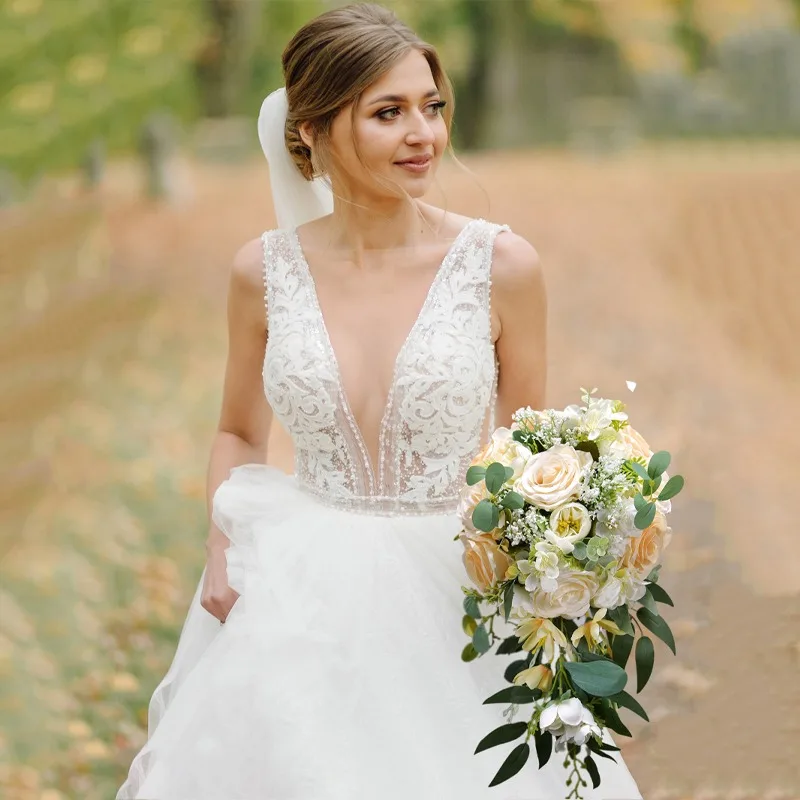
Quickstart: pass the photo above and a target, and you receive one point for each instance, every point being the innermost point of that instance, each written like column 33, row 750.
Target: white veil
column 296, row 200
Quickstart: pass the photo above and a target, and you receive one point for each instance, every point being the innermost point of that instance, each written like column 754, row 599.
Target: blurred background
column 649, row 149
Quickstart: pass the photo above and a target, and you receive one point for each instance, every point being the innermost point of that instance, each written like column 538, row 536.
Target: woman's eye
column 388, row 111
column 436, row 108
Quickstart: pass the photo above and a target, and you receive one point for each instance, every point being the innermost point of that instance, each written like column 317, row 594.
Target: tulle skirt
column 337, row 675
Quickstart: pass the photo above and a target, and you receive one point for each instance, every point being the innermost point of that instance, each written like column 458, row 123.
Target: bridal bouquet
column 564, row 525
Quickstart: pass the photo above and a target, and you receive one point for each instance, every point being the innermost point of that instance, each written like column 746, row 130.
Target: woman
column 321, row 656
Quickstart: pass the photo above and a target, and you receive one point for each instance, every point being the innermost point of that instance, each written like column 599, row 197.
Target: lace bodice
column 441, row 401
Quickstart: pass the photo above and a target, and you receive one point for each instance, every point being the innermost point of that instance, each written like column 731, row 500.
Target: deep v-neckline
column 376, row 479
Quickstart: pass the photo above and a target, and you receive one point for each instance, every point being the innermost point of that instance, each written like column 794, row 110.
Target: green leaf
column 514, row 668
column 480, row 639
column 513, row 764
column 658, row 625
column 508, row 600
column 502, row 735
column 513, row 501
column 495, row 477
column 622, row 617
column 658, row 464
column 579, row 551
column 469, row 653
column 653, row 575
column 591, row 768
column 621, row 647
column 509, row 473
column 485, row 516
column 518, row 695
column 598, row 678
column 648, row 601
column 625, row 700
column 639, row 502
column 648, row 487
column 595, row 748
column 511, row 644
column 544, row 746
column 612, row 720
column 609, row 747
column 475, row 475
column 643, row 519
column 589, row 447
column 673, row 486
column 471, row 607
column 469, row 625
column 638, row 469
column 659, row 595
column 645, row 656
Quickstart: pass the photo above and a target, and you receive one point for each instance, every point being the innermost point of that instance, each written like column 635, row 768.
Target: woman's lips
column 417, row 164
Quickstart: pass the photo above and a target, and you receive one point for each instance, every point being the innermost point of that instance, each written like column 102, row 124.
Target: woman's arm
column 245, row 416
column 519, row 299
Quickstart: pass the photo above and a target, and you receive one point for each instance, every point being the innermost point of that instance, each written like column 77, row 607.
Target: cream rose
column 570, row 599
column 644, row 551
column 504, row 448
column 469, row 498
column 568, row 524
column 484, row 561
column 633, row 445
column 610, row 595
column 553, row 478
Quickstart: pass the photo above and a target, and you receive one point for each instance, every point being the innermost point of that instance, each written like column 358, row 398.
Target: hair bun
column 299, row 151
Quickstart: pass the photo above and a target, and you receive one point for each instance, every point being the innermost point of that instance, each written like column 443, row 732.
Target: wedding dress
column 337, row 675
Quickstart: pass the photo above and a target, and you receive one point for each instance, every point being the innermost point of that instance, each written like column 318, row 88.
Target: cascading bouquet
column 564, row 519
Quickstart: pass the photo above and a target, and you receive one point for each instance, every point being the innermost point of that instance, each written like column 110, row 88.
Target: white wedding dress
column 337, row 675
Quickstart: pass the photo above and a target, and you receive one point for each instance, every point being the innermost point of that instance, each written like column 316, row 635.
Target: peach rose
column 484, row 561
column 553, row 478
column 644, row 551
column 504, row 448
column 634, row 444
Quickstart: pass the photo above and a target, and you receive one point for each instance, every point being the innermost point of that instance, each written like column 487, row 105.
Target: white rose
column 570, row 599
column 553, row 478
column 610, row 594
column 568, row 524
column 504, row 448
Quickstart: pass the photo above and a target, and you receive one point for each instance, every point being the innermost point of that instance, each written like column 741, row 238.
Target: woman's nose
column 420, row 130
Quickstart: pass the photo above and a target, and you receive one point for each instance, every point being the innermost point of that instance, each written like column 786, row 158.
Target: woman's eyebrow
column 400, row 98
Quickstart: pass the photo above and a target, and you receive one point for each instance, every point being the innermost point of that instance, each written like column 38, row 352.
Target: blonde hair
column 331, row 61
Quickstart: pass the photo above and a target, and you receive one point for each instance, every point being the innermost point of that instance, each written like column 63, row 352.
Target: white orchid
column 569, row 721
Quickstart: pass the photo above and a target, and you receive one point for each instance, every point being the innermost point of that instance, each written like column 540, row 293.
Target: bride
column 320, row 659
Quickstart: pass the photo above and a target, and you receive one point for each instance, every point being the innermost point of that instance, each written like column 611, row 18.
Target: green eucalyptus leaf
column 480, row 639
column 653, row 575
column 513, row 501
column 639, row 502
column 579, row 551
column 659, row 594
column 644, row 518
column 638, row 469
column 645, row 657
column 672, row 487
column 472, row 607
column 625, row 700
column 469, row 625
column 475, row 475
column 597, row 678
column 509, row 473
column 544, row 746
column 495, row 477
column 502, row 735
column 513, row 764
column 612, row 720
column 658, row 464
column 485, row 516
column 648, row 601
column 469, row 653
column 658, row 625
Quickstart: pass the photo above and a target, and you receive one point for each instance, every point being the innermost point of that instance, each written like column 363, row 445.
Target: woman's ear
column 306, row 131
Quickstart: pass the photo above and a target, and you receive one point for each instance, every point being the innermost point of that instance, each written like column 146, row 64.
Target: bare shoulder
column 515, row 265
column 247, row 268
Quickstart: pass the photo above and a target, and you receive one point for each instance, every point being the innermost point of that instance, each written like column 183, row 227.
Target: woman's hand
column 217, row 597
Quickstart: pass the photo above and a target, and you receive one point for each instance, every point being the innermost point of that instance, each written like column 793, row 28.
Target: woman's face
column 400, row 132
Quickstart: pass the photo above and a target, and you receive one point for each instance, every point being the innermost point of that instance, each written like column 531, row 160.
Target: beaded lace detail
column 440, row 405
